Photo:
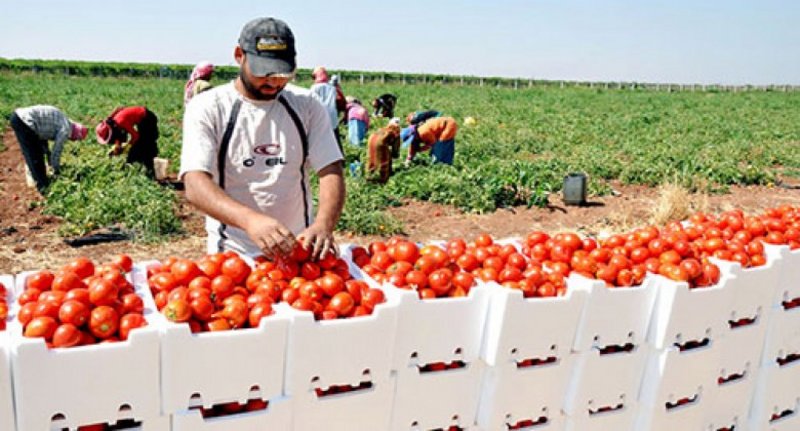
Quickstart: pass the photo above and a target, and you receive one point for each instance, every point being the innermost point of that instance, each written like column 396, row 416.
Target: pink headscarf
column 320, row 75
column 203, row 70
column 77, row 131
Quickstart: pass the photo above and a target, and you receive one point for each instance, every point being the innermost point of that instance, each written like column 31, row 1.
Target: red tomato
column 103, row 292
column 372, row 297
column 407, row 251
column 66, row 280
column 218, row 325
column 300, row 253
column 130, row 322
column 184, row 271
column 222, row 287
column 103, row 322
column 342, row 303
column 25, row 313
column 74, row 312
column 440, row 280
column 41, row 280
column 177, row 310
column 310, row 271
column 235, row 312
column 162, row 282
column 66, row 335
column 81, row 266
column 43, row 326
column 46, row 308
column 258, row 312
column 236, row 268
column 331, row 284
column 123, row 261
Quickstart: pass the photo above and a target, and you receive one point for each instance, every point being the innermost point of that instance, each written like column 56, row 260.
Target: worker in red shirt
column 132, row 130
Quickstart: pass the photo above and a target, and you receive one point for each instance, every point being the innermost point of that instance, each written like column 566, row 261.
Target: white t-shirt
column 262, row 169
column 326, row 93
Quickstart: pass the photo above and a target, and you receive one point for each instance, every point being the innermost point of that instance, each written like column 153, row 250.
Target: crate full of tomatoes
column 216, row 309
column 437, row 298
column 6, row 390
column 533, row 314
column 341, row 342
column 85, row 326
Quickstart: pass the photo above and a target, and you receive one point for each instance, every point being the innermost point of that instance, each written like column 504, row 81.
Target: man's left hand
column 319, row 240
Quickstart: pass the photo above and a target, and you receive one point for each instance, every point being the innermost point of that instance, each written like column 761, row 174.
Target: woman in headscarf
column 199, row 81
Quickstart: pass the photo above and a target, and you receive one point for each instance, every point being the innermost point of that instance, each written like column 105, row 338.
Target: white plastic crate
column 519, row 328
column 681, row 314
column 622, row 419
column 255, row 358
column 510, row 394
column 777, row 391
column 671, row 376
column 361, row 410
column 752, row 289
column 612, row 316
column 453, row 327
column 349, row 351
column 101, row 383
column 605, row 381
column 440, row 399
column 277, row 416
column 789, row 278
column 6, row 389
column 439, row 330
column 728, row 402
column 783, row 335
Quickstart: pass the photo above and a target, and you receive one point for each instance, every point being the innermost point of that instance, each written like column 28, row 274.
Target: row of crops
column 523, row 144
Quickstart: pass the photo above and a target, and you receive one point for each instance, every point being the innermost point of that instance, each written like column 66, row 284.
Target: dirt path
column 29, row 240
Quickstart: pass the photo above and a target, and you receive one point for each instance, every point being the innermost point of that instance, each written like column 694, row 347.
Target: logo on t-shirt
column 272, row 149
column 268, row 149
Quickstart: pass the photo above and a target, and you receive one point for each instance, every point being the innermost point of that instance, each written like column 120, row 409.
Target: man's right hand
column 272, row 237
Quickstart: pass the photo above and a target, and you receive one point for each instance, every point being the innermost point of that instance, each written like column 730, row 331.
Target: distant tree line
column 182, row 71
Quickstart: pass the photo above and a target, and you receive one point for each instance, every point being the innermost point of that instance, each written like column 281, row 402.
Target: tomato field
column 524, row 142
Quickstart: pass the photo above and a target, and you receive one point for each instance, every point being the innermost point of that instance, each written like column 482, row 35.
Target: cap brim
column 263, row 66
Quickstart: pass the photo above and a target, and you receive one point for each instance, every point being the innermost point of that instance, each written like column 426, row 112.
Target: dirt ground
column 29, row 239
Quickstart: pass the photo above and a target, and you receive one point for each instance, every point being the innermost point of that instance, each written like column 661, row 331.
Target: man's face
column 260, row 87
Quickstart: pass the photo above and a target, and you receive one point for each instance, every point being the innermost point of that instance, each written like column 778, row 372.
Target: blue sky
column 678, row 41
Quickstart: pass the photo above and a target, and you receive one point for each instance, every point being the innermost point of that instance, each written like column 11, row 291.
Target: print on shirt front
column 268, row 150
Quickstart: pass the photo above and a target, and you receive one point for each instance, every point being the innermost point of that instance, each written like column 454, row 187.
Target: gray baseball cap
column 269, row 46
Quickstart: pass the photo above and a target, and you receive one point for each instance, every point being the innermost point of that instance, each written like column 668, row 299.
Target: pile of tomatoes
column 622, row 260
column 324, row 287
column 221, row 291
column 430, row 270
column 3, row 306
column 80, row 304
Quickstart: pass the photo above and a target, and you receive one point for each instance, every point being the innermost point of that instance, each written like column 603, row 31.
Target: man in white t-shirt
column 249, row 146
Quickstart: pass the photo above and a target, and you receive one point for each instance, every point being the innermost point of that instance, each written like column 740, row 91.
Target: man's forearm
column 205, row 194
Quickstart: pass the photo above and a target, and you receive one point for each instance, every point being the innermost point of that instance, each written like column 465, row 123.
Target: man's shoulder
column 297, row 96
column 219, row 93
column 213, row 98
